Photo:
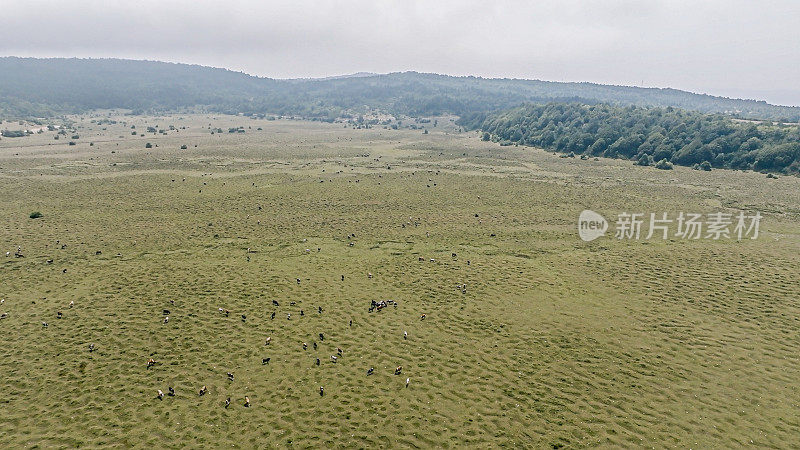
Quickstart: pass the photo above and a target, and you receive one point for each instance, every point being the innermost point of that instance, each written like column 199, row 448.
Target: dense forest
column 32, row 87
column 649, row 136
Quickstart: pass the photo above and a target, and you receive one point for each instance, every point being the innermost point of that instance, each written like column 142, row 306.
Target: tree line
column 645, row 135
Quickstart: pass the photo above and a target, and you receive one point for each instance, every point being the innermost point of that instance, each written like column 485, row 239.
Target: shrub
column 183, row 147
column 705, row 165
column 148, row 145
column 35, row 215
column 664, row 165
column 14, row 133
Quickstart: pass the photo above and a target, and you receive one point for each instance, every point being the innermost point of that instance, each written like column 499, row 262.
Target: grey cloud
column 735, row 48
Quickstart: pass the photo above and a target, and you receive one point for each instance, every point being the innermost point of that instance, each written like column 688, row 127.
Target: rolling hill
column 31, row 87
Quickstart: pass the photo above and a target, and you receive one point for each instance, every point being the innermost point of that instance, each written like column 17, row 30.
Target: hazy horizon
column 735, row 49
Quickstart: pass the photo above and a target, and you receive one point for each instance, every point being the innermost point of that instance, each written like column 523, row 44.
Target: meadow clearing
column 554, row 342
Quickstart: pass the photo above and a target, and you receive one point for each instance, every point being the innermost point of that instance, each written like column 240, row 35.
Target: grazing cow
column 333, row 359
column 44, row 324
column 339, row 351
column 405, row 334
column 369, row 274
column 98, row 252
column 398, row 370
column 49, row 261
column 273, row 315
column 289, row 316
column 407, row 381
column 292, row 303
column 422, row 317
column 321, row 337
column 421, row 258
column 151, row 362
column 351, row 322
column 230, row 376
column 317, row 361
column 227, row 402
column 3, row 316
column 275, row 303
column 319, row 308
column 269, row 339
column 227, row 313
column 171, row 391
column 71, row 303
column 160, row 395
column 370, row 370
column 265, row 360
column 203, row 390
column 298, row 280
column 59, row 315
column 91, row 348
column 166, row 319
column 244, row 318
column 302, row 313
column 342, row 277
column 305, row 346
column 246, row 401
column 315, row 345
column 321, row 391
column 165, row 312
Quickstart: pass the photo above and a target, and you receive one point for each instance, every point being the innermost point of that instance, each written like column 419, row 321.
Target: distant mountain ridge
column 32, row 87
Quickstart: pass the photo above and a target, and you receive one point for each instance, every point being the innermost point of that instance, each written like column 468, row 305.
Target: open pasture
column 531, row 337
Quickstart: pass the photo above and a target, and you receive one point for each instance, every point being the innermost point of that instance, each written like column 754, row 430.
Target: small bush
column 72, row 143
column 705, row 165
column 664, row 165
column 184, row 147
column 35, row 215
column 148, row 145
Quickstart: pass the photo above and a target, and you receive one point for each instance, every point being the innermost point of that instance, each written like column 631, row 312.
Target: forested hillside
column 646, row 135
column 42, row 87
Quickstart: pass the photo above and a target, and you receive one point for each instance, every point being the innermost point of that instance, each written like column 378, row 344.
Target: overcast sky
column 724, row 47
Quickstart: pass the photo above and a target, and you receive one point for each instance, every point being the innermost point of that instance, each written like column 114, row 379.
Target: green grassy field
column 554, row 343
